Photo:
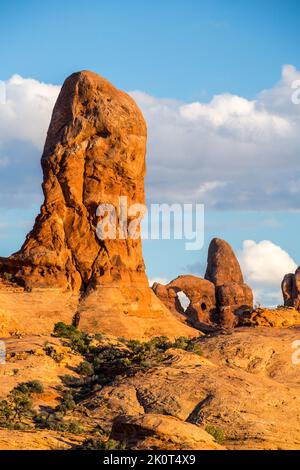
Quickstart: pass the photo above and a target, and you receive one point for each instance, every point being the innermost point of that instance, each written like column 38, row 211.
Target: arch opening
column 183, row 300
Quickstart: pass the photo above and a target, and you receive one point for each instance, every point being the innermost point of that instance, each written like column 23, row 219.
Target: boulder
column 222, row 264
column 157, row 431
column 232, row 300
column 291, row 289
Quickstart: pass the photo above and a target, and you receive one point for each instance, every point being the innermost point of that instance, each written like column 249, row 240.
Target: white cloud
column 26, row 113
column 249, row 149
column 24, row 119
column 159, row 280
column 264, row 265
column 230, row 153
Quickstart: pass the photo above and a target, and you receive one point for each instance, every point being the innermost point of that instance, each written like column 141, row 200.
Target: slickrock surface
column 151, row 431
column 37, row 440
column 26, row 359
column 244, row 389
column 291, row 289
column 94, row 154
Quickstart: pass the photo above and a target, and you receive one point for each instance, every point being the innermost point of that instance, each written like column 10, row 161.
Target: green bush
column 79, row 340
column 105, row 362
column 86, row 369
column 67, row 402
column 18, row 406
column 56, row 422
column 216, row 432
column 99, row 444
column 34, row 386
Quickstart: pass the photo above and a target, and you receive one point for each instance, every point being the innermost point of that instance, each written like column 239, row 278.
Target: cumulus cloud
column 230, row 153
column 24, row 118
column 26, row 113
column 159, row 280
column 264, row 264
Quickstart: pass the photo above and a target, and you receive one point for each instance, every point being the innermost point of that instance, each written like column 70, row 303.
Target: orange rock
column 200, row 292
column 233, row 295
column 291, row 289
column 222, row 264
column 94, row 154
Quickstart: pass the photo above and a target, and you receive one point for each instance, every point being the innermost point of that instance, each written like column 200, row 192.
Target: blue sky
column 182, row 49
column 174, row 57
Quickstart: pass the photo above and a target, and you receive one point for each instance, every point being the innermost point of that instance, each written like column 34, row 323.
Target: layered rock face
column 291, row 289
column 200, row 292
column 233, row 295
column 94, row 155
column 219, row 298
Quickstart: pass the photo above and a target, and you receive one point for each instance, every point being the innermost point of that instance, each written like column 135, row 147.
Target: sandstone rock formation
column 245, row 386
column 200, row 292
column 219, row 298
column 291, row 289
column 157, row 431
column 232, row 294
column 222, row 264
column 232, row 300
column 94, row 154
column 281, row 317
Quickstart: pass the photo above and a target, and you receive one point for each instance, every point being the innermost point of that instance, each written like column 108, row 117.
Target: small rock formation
column 281, row 317
column 232, row 294
column 157, row 431
column 222, row 264
column 200, row 292
column 291, row 289
column 219, row 298
column 94, row 154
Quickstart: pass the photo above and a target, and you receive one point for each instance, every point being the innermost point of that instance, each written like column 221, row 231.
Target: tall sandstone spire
column 94, row 154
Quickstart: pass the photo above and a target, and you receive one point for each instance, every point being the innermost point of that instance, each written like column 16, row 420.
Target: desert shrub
column 216, row 432
column 51, row 352
column 67, row 402
column 103, row 363
column 18, row 406
column 86, row 369
column 62, row 330
column 56, row 422
column 8, row 276
column 33, row 386
column 99, row 444
column 79, row 340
